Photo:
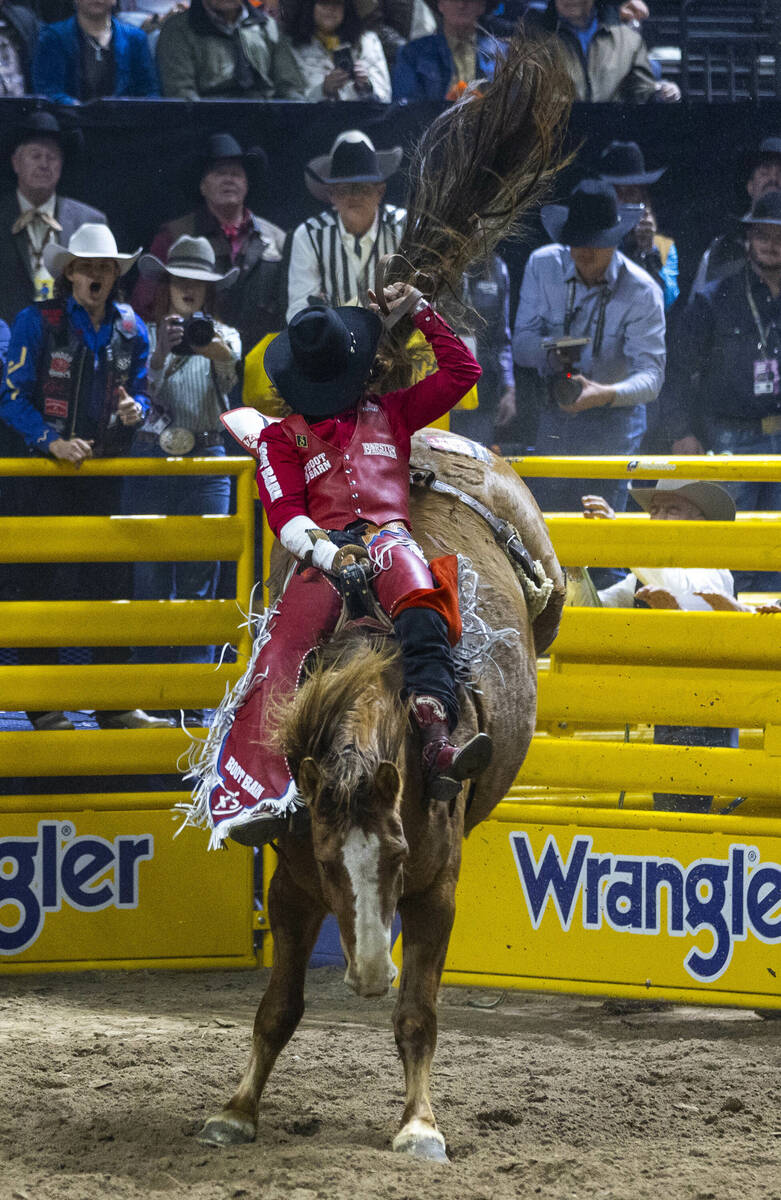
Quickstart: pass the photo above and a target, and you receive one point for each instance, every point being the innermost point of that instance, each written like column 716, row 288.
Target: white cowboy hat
column 89, row 241
column 188, row 258
column 713, row 501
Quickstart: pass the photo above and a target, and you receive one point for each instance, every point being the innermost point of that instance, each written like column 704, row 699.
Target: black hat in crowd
column 353, row 159
column 769, row 147
column 593, row 216
column 766, row 210
column 218, row 147
column 42, row 124
column 320, row 362
column 622, row 164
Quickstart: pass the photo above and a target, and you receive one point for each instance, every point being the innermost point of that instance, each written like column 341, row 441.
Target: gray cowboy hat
column 623, row 164
column 593, row 216
column 188, row 258
column 766, row 211
column 89, row 241
column 353, row 159
column 319, row 364
column 713, row 501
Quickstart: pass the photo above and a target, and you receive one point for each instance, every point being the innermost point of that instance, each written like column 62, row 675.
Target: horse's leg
column 426, row 921
column 295, row 919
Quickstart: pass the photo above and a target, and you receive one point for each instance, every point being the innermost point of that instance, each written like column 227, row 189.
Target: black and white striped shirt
column 325, row 262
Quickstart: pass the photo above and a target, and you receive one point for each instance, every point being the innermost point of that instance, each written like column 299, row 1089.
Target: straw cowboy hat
column 622, row 164
column 89, row 241
column 593, row 216
column 713, row 501
column 353, row 159
column 320, row 362
column 188, row 258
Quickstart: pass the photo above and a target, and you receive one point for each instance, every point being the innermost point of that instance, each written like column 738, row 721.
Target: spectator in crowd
column 75, row 387
column 190, row 381
column 334, row 57
column 486, row 292
column 92, row 54
column 333, row 255
column 442, row 65
column 622, row 164
column 726, row 254
column 606, row 57
column 223, row 49
column 34, row 214
column 691, row 589
column 18, row 35
column 724, row 388
column 225, row 176
column 583, row 287
column 401, row 21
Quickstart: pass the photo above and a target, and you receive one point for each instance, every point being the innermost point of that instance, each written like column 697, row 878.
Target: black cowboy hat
column 40, row 124
column 353, row 159
column 593, row 216
column 769, row 147
column 320, row 362
column 766, row 210
column 220, row 146
column 622, row 164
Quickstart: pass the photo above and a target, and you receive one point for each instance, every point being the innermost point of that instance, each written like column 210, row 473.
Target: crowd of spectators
column 311, row 50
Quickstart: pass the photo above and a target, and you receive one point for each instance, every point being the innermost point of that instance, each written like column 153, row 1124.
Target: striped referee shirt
column 330, row 265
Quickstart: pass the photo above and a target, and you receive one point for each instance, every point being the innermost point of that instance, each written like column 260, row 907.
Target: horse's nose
column 371, row 979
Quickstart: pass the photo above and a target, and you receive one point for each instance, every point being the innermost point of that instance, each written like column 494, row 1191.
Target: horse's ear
column 308, row 779
column 387, row 783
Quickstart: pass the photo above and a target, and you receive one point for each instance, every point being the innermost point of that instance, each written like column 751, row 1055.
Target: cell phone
column 343, row 59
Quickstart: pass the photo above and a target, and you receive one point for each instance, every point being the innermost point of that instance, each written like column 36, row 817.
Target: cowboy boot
column 446, row 766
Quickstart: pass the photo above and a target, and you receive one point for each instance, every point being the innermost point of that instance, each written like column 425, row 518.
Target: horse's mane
column 348, row 717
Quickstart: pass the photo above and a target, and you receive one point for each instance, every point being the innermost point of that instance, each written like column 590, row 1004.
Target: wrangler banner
column 652, row 906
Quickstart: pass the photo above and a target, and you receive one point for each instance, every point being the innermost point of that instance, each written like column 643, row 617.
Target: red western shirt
column 347, row 471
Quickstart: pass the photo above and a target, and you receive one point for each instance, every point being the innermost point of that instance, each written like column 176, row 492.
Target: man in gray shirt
column 583, row 287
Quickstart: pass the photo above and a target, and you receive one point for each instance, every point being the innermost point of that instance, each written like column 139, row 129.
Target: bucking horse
column 374, row 844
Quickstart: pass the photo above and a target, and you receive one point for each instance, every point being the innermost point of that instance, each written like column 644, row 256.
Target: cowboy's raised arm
column 457, row 372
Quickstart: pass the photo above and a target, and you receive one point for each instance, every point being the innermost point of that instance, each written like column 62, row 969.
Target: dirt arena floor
column 106, row 1079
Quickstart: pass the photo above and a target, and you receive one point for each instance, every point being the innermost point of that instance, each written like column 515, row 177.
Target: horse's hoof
column 227, row 1129
column 421, row 1141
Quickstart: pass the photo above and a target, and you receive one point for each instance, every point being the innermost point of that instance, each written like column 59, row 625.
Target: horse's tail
column 346, row 706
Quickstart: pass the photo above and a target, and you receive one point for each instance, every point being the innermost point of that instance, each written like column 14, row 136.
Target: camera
column 198, row 332
column 564, row 353
column 343, row 59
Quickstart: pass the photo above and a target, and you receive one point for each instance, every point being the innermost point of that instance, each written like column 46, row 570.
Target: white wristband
column 296, row 537
column 324, row 554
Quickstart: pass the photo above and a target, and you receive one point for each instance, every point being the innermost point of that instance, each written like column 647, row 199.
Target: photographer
column 192, row 367
column 583, row 287
column 334, row 57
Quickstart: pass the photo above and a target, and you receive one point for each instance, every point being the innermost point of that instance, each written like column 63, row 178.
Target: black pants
column 427, row 659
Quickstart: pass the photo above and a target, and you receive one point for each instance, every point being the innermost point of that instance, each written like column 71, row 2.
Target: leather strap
column 506, row 535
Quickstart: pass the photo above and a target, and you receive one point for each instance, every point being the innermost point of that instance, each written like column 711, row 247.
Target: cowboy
column 74, row 389
column 583, row 287
column 724, row 388
column 726, row 255
column 333, row 255
column 225, row 176
column 334, row 480
column 697, row 589
column 622, row 164
column 34, row 214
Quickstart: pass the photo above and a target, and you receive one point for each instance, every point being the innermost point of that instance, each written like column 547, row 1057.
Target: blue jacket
column 57, row 62
column 25, row 411
column 424, row 67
